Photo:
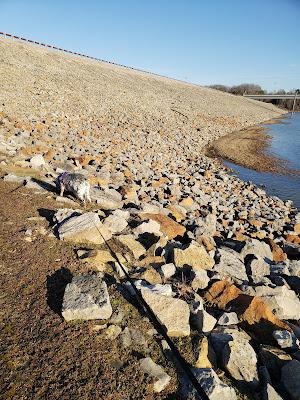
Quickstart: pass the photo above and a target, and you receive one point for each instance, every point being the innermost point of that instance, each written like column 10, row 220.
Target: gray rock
column 161, row 378
column 284, row 302
column 257, row 248
column 201, row 279
column 228, row 318
column 84, row 228
column 294, row 268
column 133, row 245
column 37, row 161
column 214, row 388
column 239, row 359
column 15, row 178
column 168, row 270
column 163, row 290
column 112, row 332
column 231, row 266
column 286, row 339
column 258, row 269
column 105, row 200
column 117, row 221
column 200, row 318
column 290, row 377
column 148, row 227
column 176, row 322
column 86, row 297
column 125, row 338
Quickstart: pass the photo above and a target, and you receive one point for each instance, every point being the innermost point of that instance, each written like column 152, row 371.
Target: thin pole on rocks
column 160, row 328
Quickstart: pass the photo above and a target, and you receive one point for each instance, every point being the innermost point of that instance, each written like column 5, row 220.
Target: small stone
column 230, row 266
column 37, row 161
column 148, row 227
column 125, row 338
column 228, row 318
column 168, row 270
column 117, row 221
column 161, row 378
column 86, row 297
column 200, row 318
column 151, row 276
column 112, row 332
column 286, row 339
column 206, row 357
column 201, row 280
column 168, row 226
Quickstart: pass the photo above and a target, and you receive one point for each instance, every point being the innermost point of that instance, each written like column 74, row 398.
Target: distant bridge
column 293, row 96
column 272, row 96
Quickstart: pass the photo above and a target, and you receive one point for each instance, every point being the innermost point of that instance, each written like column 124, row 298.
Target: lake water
column 285, row 145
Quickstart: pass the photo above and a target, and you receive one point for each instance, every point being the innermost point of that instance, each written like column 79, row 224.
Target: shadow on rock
column 56, row 284
column 48, row 214
column 50, row 187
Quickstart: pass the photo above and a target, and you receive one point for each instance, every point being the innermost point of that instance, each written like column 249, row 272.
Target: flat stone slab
column 160, row 377
column 84, row 228
column 86, row 298
column 173, row 313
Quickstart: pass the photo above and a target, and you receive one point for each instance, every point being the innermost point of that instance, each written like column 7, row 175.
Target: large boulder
column 133, row 245
column 168, row 226
column 84, row 228
column 86, row 298
column 239, row 360
column 257, row 248
column 194, row 256
column 284, row 302
column 174, row 314
column 231, row 266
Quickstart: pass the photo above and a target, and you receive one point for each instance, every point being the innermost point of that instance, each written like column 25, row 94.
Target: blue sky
column 201, row 41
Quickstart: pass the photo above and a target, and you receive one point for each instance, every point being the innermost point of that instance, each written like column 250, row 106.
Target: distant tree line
column 251, row 88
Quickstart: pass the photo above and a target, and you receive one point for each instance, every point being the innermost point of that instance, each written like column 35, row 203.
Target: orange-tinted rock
column 293, row 239
column 208, row 174
column 49, row 154
column 168, row 226
column 240, row 237
column 160, row 182
column 278, row 253
column 297, row 229
column 179, row 215
column 206, row 242
column 252, row 310
column 256, row 223
column 187, row 202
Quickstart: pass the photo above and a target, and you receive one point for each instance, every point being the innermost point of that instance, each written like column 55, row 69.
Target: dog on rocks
column 74, row 183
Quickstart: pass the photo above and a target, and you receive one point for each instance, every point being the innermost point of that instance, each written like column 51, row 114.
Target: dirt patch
column 249, row 148
column 41, row 355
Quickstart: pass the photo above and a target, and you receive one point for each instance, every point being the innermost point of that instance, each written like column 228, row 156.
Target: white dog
column 74, row 183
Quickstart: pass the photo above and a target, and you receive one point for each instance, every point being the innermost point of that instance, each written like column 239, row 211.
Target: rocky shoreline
column 195, row 239
column 252, row 144
column 214, row 257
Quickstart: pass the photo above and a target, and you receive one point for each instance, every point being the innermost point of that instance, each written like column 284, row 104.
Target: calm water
column 286, row 145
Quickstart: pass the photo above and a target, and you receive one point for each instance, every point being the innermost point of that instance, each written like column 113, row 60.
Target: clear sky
column 201, row 41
